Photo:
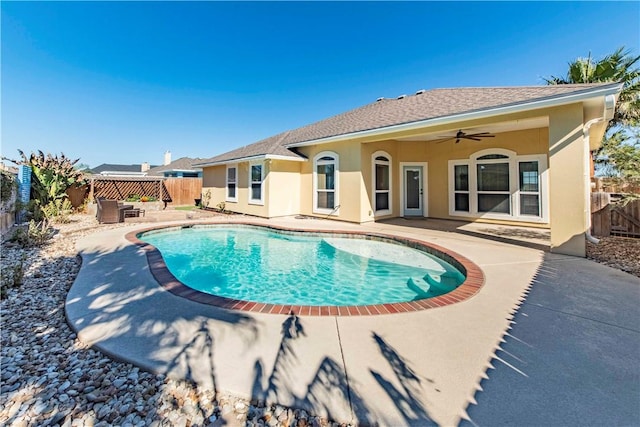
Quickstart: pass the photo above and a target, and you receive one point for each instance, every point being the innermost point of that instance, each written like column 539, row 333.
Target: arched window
column 497, row 183
column 381, row 174
column 325, row 183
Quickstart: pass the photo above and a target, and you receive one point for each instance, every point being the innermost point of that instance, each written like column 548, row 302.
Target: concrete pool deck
column 572, row 349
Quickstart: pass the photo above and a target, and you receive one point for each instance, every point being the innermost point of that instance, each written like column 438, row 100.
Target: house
column 413, row 156
column 180, row 168
column 109, row 169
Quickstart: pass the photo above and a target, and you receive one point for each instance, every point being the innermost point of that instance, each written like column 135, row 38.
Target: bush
column 58, row 211
column 12, row 277
column 36, row 234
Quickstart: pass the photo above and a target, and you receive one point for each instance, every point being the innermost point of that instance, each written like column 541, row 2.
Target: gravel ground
column 48, row 377
column 51, row 378
column 618, row 252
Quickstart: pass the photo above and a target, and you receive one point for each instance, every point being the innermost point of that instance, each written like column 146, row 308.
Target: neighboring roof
column 183, row 164
column 423, row 106
column 108, row 167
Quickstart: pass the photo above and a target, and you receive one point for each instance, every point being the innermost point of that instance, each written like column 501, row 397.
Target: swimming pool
column 311, row 269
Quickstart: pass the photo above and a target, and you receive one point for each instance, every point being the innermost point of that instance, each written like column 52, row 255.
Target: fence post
column 24, row 191
column 600, row 214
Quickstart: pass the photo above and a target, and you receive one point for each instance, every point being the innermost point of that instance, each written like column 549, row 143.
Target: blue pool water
column 255, row 264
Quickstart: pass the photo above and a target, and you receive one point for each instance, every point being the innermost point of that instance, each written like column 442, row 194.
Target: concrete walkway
column 573, row 351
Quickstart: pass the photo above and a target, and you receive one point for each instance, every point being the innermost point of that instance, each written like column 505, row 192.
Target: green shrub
column 36, row 234
column 12, row 277
column 58, row 211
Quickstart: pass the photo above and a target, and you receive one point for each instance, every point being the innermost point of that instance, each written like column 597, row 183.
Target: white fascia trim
column 489, row 112
column 252, row 158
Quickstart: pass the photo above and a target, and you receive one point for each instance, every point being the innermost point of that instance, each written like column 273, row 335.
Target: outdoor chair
column 110, row 211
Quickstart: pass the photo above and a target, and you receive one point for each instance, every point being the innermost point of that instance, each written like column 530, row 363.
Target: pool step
column 443, row 283
column 419, row 286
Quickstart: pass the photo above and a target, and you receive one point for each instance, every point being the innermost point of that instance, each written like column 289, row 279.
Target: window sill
column 387, row 212
column 256, row 202
column 330, row 212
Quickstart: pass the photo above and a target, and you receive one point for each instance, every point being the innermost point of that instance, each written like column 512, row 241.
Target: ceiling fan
column 471, row 136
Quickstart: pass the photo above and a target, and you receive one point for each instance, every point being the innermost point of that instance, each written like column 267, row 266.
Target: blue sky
column 122, row 82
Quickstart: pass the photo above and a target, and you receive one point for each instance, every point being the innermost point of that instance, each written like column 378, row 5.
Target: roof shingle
column 386, row 112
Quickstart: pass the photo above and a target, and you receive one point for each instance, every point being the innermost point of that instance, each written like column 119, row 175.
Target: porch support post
column 567, row 169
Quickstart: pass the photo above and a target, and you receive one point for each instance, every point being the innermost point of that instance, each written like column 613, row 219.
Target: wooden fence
column 608, row 218
column 184, row 191
column 172, row 191
column 120, row 188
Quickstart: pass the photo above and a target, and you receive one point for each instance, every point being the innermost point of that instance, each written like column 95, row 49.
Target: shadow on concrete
column 126, row 314
column 327, row 391
column 514, row 235
column 572, row 355
column 407, row 399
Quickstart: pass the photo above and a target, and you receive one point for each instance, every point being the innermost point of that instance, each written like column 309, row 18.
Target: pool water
column 255, row 264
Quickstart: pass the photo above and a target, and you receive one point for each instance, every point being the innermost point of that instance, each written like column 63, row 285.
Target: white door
column 412, row 177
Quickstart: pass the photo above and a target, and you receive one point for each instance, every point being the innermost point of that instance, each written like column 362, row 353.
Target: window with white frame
column 255, row 181
column 232, row 174
column 381, row 183
column 325, row 182
column 499, row 184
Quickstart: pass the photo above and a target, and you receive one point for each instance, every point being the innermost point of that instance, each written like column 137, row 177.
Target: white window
column 232, row 175
column 499, row 184
column 256, row 180
column 381, row 173
column 325, row 183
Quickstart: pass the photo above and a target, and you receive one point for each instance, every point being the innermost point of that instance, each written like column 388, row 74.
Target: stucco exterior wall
column 567, row 169
column 215, row 180
column 282, row 187
column 350, row 182
column 213, row 183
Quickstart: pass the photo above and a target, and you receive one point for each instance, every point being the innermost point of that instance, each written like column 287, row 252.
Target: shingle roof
column 116, row 168
column 183, row 164
column 386, row 112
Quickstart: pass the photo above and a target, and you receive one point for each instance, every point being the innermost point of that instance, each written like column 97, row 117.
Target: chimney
column 167, row 157
column 144, row 167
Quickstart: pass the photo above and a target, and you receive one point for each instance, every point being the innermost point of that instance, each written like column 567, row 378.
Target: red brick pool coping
column 471, row 286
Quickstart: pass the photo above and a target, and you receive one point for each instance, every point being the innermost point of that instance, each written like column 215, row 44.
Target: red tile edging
column 470, row 287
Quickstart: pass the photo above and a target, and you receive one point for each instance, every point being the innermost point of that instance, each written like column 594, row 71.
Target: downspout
column 609, row 108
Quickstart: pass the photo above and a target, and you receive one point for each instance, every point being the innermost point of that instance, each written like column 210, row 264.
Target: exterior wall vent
column 380, row 99
column 420, row 92
column 401, row 97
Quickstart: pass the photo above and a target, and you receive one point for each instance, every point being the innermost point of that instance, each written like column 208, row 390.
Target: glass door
column 413, row 191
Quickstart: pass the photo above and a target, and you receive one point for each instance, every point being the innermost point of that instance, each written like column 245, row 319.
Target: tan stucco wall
column 567, row 180
column 351, row 187
column 283, row 188
column 213, row 182
column 214, row 179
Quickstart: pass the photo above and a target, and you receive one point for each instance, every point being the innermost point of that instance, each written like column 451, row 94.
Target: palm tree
column 617, row 67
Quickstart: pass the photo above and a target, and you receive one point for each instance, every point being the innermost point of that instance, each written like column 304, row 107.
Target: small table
column 133, row 213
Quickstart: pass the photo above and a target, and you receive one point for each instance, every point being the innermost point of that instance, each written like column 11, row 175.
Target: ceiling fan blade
column 444, row 140
column 473, row 138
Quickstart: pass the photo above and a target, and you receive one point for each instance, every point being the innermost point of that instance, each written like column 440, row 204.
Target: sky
column 123, row 82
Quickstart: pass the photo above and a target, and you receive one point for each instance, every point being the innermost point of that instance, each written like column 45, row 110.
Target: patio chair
column 110, row 212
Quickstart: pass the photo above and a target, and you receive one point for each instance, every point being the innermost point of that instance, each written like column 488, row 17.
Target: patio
column 417, row 368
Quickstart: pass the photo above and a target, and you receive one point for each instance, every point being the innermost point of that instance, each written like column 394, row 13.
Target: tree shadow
column 407, row 399
column 326, row 392
column 117, row 306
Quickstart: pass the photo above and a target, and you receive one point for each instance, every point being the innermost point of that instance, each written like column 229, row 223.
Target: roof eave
column 612, row 89
column 251, row 158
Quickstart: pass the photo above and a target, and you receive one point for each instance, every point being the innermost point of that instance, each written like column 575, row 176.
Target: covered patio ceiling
column 493, row 128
